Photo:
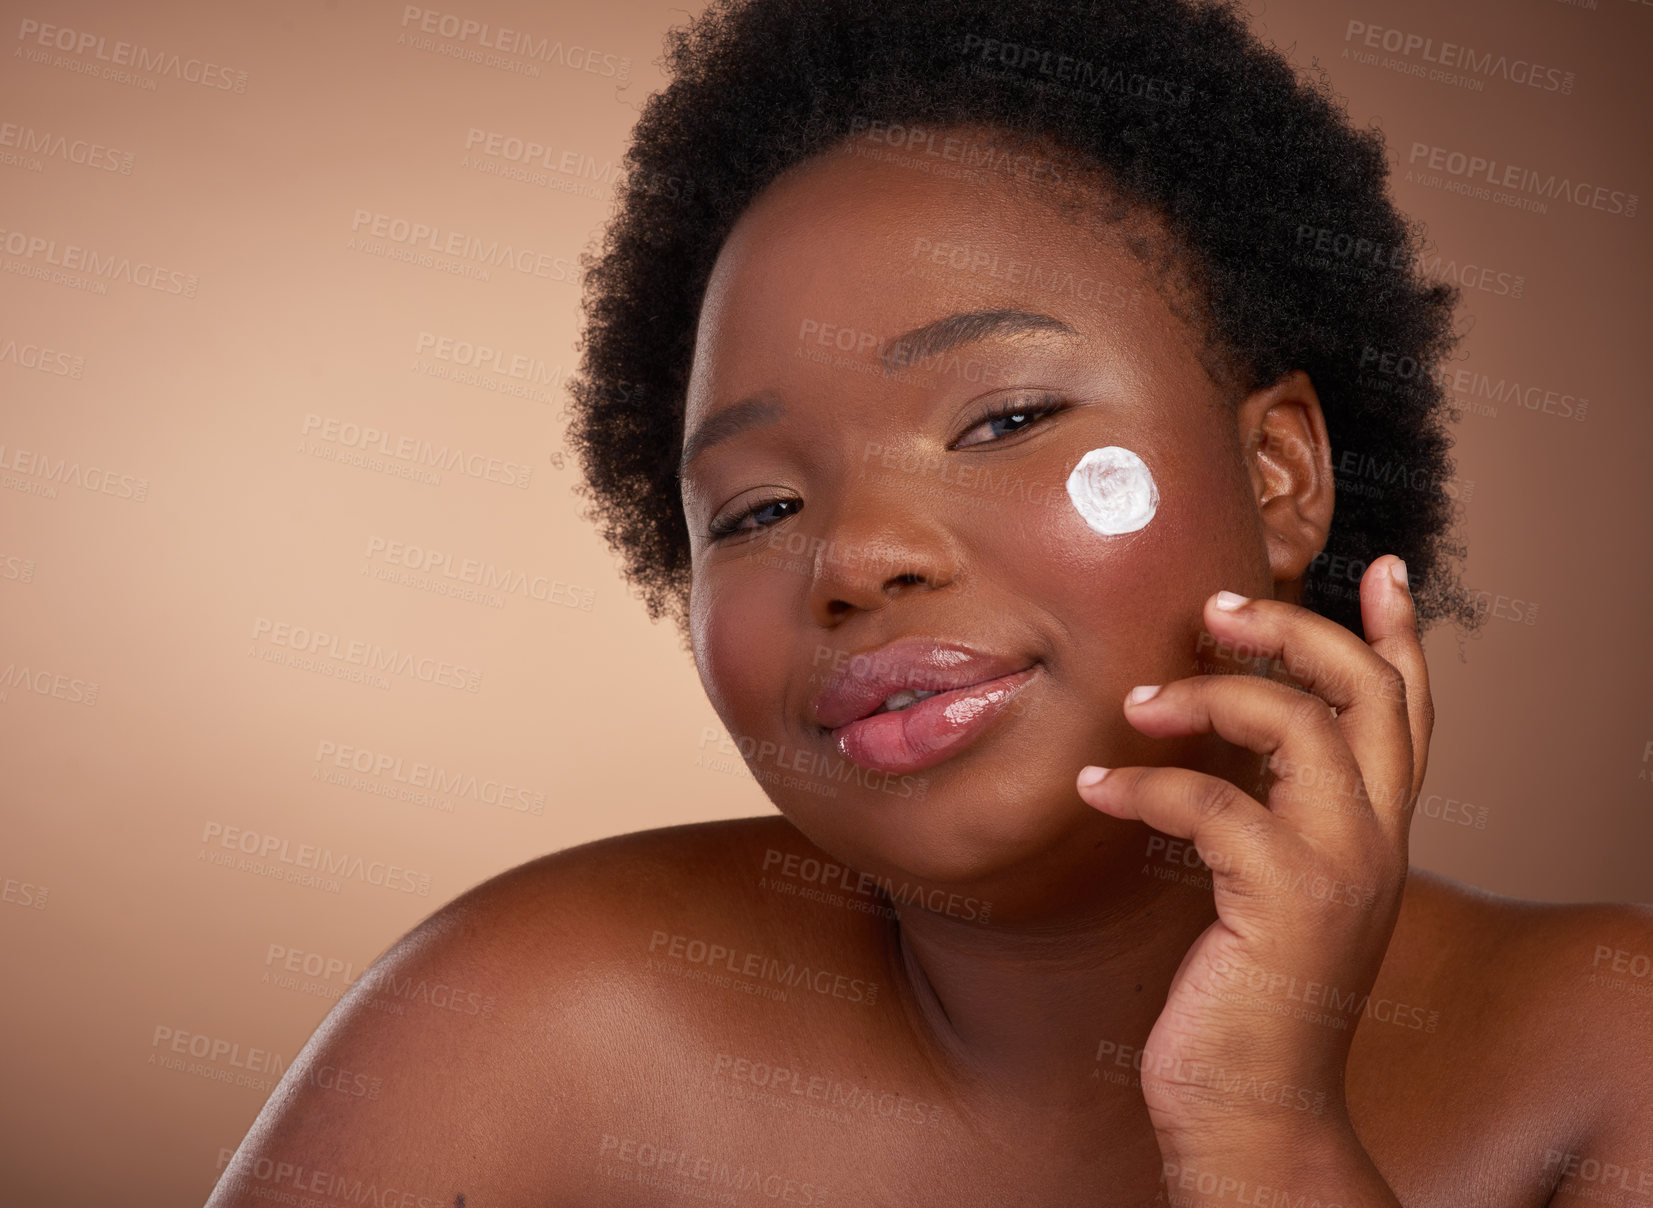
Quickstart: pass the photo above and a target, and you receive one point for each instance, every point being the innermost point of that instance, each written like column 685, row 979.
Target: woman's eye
column 731, row 524
column 1001, row 420
column 1016, row 415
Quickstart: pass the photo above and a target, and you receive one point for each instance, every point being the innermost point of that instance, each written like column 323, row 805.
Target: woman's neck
column 1026, row 1003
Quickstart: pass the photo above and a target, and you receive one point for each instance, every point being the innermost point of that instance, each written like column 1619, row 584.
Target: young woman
column 962, row 379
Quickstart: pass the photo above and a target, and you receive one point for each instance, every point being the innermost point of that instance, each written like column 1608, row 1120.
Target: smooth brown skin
column 990, row 1030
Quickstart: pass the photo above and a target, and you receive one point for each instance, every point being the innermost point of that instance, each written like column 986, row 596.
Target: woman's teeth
column 900, row 700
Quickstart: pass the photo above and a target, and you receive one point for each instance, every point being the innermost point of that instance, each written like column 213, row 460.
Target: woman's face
column 907, row 516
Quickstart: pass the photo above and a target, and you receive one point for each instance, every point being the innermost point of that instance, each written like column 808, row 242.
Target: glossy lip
column 931, row 731
column 869, row 677
column 972, row 688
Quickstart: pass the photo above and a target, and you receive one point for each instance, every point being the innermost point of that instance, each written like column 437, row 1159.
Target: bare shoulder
column 1566, row 963
column 450, row 1068
column 1534, row 1019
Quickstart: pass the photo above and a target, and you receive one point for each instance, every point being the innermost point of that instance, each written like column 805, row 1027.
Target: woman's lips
column 934, row 729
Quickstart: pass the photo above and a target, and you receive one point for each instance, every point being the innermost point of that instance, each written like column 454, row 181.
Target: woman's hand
column 1245, row 1063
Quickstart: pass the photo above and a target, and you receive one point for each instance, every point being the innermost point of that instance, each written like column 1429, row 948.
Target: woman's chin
column 955, row 844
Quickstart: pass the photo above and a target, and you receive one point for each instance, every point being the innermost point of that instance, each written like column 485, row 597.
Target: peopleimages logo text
column 515, row 42
column 1483, row 170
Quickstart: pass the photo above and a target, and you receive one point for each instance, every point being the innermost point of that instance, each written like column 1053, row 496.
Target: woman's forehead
column 854, row 252
column 881, row 197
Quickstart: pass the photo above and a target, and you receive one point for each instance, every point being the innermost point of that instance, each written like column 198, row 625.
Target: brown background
column 118, row 928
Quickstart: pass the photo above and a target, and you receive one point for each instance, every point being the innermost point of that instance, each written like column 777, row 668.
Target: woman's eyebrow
column 750, row 412
column 963, row 328
column 932, row 338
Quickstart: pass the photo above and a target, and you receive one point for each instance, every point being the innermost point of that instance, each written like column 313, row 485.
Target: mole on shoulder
column 459, row 1200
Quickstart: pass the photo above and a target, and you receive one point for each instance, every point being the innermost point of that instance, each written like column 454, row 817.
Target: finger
column 1390, row 620
column 1295, row 728
column 1367, row 691
column 1232, row 831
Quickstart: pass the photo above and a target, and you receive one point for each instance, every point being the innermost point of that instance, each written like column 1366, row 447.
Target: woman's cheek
column 730, row 662
column 1104, row 553
column 1093, row 534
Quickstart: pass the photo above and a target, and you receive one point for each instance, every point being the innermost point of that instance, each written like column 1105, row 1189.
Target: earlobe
column 1288, row 456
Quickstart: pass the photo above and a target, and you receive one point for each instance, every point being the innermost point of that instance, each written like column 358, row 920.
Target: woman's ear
column 1283, row 438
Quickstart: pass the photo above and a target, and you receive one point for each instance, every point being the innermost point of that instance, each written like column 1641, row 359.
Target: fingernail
column 1090, row 775
column 1397, row 572
column 1228, row 601
column 1141, row 693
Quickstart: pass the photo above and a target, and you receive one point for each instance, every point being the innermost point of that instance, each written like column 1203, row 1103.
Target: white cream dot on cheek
column 1113, row 491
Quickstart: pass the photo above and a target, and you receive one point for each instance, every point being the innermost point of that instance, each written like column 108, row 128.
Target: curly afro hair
column 1273, row 207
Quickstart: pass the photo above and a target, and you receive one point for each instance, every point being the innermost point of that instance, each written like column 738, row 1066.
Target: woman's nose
column 872, row 555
